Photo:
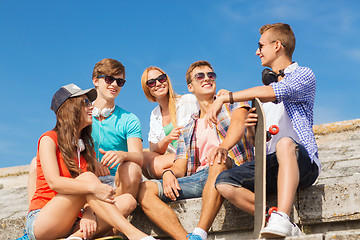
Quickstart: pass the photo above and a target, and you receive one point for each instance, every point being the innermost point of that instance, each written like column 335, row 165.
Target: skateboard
column 260, row 169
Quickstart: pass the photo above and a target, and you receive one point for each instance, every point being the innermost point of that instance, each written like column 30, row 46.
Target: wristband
column 231, row 99
column 167, row 170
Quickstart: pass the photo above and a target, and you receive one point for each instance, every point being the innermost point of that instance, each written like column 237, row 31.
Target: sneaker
column 277, row 227
column 193, row 236
column 24, row 237
column 295, row 231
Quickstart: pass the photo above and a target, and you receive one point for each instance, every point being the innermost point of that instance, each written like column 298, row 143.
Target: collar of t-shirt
column 291, row 67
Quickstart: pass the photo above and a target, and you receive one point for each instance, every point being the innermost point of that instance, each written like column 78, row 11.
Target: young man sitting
column 193, row 174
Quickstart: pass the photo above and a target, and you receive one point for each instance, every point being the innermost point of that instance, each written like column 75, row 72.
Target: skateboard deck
column 260, row 169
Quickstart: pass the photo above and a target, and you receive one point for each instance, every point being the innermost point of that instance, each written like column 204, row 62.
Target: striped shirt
column 297, row 92
column 240, row 152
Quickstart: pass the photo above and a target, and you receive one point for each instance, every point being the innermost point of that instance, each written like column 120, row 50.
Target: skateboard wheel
column 272, row 209
column 274, row 129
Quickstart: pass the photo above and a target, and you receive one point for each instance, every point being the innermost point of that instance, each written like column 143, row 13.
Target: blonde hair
column 172, row 95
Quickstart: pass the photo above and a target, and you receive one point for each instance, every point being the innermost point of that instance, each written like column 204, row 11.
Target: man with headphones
column 116, row 132
column 292, row 154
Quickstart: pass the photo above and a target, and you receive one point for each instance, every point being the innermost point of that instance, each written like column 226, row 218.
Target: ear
column 190, row 88
column 277, row 46
column 95, row 81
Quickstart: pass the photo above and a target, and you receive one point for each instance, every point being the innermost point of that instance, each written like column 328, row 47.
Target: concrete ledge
column 11, row 228
column 14, row 171
column 319, row 208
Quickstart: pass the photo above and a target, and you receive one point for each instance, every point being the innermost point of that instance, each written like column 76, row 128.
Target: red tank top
column 44, row 193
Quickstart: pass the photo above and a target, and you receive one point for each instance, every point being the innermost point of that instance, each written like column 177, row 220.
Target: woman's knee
column 88, row 176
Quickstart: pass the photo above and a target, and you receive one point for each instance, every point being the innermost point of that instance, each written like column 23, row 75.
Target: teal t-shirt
column 113, row 132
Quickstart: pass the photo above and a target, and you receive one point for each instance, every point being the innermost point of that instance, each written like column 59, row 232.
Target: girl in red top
column 66, row 184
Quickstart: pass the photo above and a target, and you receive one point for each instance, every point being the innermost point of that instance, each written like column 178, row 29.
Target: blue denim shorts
column 109, row 180
column 30, row 221
column 244, row 175
column 191, row 186
column 29, row 224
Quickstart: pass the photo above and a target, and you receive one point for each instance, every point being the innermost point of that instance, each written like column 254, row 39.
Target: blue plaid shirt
column 186, row 149
column 297, row 92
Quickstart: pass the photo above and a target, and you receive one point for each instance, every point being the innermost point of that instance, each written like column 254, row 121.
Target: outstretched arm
column 264, row 93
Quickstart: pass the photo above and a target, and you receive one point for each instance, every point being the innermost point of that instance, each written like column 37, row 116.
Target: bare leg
column 241, row 197
column 128, row 178
column 155, row 164
column 211, row 199
column 288, row 177
column 32, row 179
column 67, row 207
column 159, row 212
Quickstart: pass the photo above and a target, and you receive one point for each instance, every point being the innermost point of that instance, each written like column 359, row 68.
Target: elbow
column 54, row 184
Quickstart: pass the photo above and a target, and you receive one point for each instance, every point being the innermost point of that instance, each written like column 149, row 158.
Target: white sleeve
column 186, row 106
column 156, row 132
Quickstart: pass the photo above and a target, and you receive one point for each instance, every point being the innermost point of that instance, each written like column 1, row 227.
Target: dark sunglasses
column 260, row 45
column 110, row 79
column 199, row 77
column 87, row 102
column 152, row 82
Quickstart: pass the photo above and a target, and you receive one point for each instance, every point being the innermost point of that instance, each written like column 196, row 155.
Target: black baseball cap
column 68, row 91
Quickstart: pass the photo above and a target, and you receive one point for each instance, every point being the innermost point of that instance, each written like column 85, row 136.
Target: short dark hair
column 108, row 66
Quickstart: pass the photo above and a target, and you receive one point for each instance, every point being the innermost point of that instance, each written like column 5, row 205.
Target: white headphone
column 81, row 145
column 105, row 112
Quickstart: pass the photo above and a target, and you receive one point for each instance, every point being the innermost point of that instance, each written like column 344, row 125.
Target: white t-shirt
column 276, row 115
column 186, row 105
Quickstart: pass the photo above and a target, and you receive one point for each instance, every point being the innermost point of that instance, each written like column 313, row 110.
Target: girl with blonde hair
column 166, row 120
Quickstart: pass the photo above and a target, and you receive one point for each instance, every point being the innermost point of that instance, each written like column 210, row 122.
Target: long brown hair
column 69, row 117
column 171, row 94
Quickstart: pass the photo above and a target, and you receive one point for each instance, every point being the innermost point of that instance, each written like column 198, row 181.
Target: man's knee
column 224, row 189
column 285, row 144
column 128, row 172
column 147, row 188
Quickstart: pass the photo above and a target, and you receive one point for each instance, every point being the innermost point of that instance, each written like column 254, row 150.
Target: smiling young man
column 116, row 132
column 291, row 155
column 193, row 174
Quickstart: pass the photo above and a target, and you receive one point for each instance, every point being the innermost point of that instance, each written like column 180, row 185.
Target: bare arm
column 161, row 146
column 134, row 154
column 65, row 185
column 170, row 183
column 264, row 93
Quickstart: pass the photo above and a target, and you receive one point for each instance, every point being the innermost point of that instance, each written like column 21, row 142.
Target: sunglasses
column 110, row 79
column 152, row 82
column 200, row 77
column 87, row 102
column 260, row 45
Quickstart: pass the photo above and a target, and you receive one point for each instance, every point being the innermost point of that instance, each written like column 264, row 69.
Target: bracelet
column 231, row 98
column 167, row 170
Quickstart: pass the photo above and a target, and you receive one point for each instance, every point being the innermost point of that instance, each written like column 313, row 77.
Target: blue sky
column 47, row 44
